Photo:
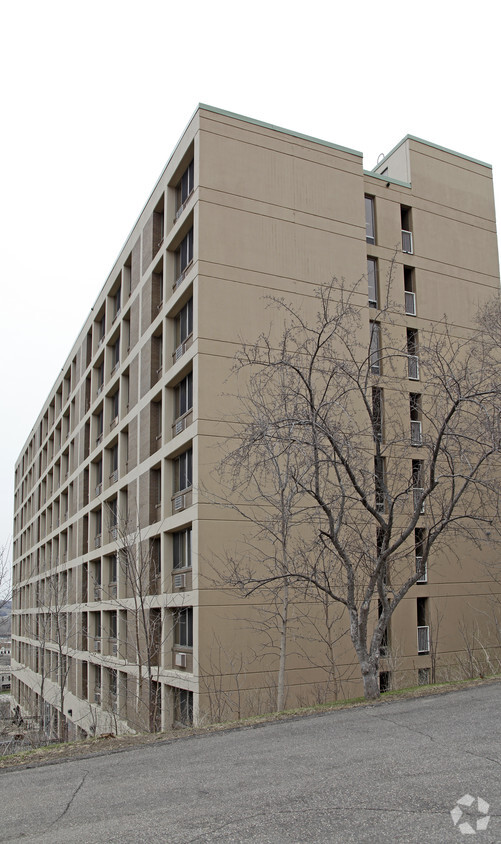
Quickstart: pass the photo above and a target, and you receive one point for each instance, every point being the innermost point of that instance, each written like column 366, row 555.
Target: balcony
column 183, row 275
column 181, row 500
column 423, row 640
column 182, row 422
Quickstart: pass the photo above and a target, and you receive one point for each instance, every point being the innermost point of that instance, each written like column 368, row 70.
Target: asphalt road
column 386, row 773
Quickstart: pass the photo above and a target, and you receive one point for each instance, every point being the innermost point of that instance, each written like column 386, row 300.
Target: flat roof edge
column 387, row 179
column 434, row 146
column 279, row 129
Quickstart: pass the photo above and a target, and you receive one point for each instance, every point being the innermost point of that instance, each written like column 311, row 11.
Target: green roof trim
column 279, row 129
column 387, row 179
column 434, row 146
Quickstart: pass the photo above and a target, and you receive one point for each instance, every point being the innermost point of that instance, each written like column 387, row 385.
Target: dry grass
column 113, row 744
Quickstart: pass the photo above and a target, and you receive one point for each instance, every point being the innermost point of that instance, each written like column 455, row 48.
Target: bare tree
column 148, row 626
column 52, row 629
column 333, row 398
column 259, row 479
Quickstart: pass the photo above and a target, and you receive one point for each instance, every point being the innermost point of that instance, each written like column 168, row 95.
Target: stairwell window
column 370, row 227
column 412, row 354
column 419, row 540
column 379, row 483
column 372, row 278
column 410, row 291
column 406, row 220
column 375, row 348
column 415, row 417
column 423, row 626
column 377, row 414
column 418, row 484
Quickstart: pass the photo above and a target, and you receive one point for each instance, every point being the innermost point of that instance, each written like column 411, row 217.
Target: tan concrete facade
column 133, row 427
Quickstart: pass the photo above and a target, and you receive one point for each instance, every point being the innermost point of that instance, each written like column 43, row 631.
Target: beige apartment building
column 118, row 619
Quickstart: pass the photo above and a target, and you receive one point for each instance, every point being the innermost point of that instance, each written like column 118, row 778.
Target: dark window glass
column 370, row 229
column 183, row 633
column 184, row 395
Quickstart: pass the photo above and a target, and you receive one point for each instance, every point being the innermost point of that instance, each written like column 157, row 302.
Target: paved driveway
column 386, row 773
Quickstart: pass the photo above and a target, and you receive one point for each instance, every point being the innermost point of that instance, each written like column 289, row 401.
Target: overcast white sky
column 95, row 95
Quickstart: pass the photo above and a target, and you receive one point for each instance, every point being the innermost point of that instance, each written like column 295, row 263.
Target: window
column 181, row 549
column 117, row 302
column 99, row 477
column 418, row 484
column 97, row 524
column 155, row 563
column 412, row 354
column 415, row 414
column 115, row 406
column 184, row 255
column 102, row 327
column 115, row 354
column 377, row 414
column 100, row 377
column 183, row 628
column 185, row 187
column 423, row 676
column 113, row 568
column 183, row 471
column 375, row 348
column 409, row 291
column 99, row 426
column 419, row 541
column 379, row 483
column 113, row 517
column 183, row 706
column 423, row 627
column 372, row 277
column 406, row 218
column 114, row 463
column 185, row 322
column 184, row 395
column 384, row 681
column 370, row 229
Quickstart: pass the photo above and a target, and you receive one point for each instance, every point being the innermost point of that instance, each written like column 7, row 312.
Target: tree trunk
column 371, row 682
column 283, row 648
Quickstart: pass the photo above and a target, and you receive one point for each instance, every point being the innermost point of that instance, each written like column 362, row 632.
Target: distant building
column 132, row 423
